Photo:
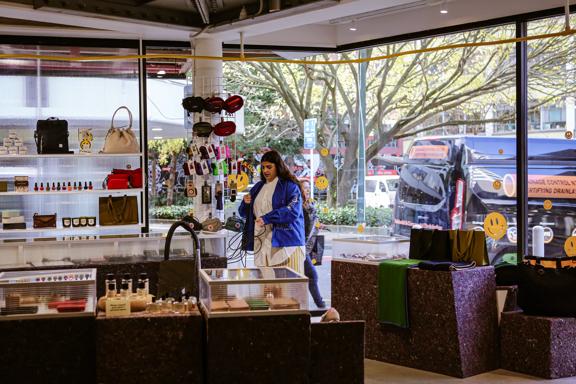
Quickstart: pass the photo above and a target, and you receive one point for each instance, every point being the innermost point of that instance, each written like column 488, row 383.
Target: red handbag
column 134, row 176
column 117, row 181
column 214, row 104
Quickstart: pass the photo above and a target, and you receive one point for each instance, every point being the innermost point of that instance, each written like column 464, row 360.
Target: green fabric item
column 392, row 291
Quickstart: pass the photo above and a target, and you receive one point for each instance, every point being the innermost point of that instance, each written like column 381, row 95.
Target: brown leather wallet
column 44, row 221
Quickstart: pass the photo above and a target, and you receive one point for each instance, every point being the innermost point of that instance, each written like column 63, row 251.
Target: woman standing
column 274, row 217
column 311, row 231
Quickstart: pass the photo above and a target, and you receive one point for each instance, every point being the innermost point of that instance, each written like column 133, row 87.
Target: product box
column 10, row 213
column 13, row 220
column 3, row 186
column 21, row 183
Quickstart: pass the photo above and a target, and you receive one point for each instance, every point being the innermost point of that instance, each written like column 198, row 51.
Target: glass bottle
column 58, row 187
column 75, row 186
column 125, row 290
column 48, row 187
column 69, row 187
column 35, row 187
column 128, row 280
column 110, row 285
column 85, row 185
column 90, row 185
column 41, row 186
column 141, row 290
column 144, row 278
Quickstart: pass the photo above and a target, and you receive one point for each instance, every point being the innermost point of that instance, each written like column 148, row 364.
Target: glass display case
column 371, row 248
column 42, row 294
column 253, row 291
column 82, row 249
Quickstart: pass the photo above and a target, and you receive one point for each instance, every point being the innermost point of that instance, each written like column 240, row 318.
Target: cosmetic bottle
column 110, row 285
column 85, row 186
column 53, row 186
column 143, row 277
column 141, row 290
column 125, row 290
column 75, row 186
column 58, row 187
column 35, row 187
column 69, row 187
column 48, row 187
column 90, row 185
column 128, row 280
column 41, row 186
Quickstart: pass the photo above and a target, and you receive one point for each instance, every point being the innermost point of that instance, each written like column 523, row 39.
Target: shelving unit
column 81, row 192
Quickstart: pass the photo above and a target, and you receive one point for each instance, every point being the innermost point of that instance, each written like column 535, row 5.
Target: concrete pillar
column 207, row 81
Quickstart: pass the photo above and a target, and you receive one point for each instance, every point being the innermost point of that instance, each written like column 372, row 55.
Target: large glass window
column 551, row 147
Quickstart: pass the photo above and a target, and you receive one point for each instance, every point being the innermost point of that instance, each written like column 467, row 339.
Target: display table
column 537, row 345
column 150, row 348
column 453, row 317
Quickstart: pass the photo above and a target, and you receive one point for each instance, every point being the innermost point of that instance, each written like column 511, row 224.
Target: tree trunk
column 153, row 176
column 171, row 180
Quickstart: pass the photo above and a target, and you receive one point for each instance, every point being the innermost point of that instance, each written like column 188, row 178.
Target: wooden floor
column 378, row 372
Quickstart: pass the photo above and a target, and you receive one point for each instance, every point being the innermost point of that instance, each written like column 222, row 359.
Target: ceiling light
column 353, row 27
column 156, row 129
column 274, row 6
column 158, row 137
column 444, row 8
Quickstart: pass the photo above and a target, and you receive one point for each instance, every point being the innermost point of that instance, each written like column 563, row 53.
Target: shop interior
column 430, row 144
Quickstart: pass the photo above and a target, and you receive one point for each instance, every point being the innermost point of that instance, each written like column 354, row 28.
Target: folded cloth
column 392, row 291
column 446, row 265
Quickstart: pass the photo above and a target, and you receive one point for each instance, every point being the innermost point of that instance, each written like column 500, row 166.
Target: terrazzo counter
column 47, row 351
column 150, row 348
column 453, row 317
column 271, row 349
column 537, row 345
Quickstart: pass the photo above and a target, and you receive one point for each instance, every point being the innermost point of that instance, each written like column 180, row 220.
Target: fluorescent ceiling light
column 353, row 29
column 156, row 129
column 158, row 137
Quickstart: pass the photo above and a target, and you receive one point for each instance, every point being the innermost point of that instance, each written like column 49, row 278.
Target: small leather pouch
column 118, row 181
column 44, row 221
column 211, row 225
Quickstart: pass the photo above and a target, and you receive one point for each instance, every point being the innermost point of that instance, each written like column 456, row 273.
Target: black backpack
column 51, row 136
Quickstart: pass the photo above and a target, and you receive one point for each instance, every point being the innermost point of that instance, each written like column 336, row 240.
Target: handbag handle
column 129, row 116
column 111, row 208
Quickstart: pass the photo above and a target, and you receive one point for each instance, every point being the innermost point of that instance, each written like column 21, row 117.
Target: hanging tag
column 198, row 168
column 214, row 166
column 204, row 152
column 234, row 167
column 191, row 188
column 193, row 150
column 205, row 167
column 206, row 193
column 216, row 151
column 210, row 149
column 228, row 152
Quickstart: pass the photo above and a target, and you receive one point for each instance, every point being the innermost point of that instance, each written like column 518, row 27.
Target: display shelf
column 71, row 155
column 88, row 191
column 71, row 229
column 267, row 312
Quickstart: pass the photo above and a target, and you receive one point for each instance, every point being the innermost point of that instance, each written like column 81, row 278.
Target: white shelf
column 63, row 193
column 71, row 155
column 72, row 230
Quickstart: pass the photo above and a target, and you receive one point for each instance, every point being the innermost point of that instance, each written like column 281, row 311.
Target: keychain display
column 191, row 189
column 206, row 193
column 210, row 150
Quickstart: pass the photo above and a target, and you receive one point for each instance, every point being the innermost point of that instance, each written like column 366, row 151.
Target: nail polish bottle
column 75, row 186
column 58, row 186
column 53, row 186
column 35, row 187
column 90, row 185
column 85, row 186
column 48, row 187
column 79, row 185
column 41, row 186
column 69, row 187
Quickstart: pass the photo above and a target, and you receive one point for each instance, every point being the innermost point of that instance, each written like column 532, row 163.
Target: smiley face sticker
column 547, row 205
column 497, row 184
column 324, row 152
column 321, row 183
column 570, row 246
column 495, row 225
column 568, row 135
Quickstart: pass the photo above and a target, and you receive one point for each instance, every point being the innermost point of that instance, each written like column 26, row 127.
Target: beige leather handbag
column 121, row 140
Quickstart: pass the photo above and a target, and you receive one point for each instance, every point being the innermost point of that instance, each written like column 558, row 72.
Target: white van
column 381, row 190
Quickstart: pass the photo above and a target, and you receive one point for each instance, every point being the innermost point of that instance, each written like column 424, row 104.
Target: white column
column 490, row 126
column 207, row 81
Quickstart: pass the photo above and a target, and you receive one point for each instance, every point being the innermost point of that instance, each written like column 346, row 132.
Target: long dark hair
column 282, row 170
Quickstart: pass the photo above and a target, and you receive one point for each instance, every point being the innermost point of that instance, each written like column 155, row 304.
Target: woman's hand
column 247, row 198
column 260, row 222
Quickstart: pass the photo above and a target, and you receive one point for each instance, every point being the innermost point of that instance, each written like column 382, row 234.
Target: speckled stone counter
column 453, row 318
column 538, row 346
column 150, row 349
column 47, row 351
column 337, row 353
column 258, row 349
